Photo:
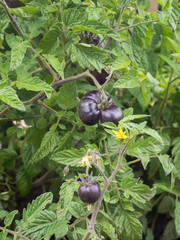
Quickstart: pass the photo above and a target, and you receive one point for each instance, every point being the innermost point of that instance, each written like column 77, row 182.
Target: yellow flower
column 85, row 161
column 120, row 134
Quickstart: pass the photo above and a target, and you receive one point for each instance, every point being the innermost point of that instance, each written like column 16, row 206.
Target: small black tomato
column 14, row 3
column 89, row 191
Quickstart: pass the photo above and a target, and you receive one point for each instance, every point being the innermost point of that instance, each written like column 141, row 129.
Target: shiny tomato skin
column 14, row 3
column 89, row 193
column 112, row 113
column 88, row 111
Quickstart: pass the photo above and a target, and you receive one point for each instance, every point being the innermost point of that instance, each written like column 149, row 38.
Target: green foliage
column 45, row 49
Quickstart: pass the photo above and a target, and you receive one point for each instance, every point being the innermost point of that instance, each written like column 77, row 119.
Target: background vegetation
column 46, row 53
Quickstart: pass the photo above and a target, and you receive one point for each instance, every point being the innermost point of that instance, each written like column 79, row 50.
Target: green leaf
column 166, row 205
column 9, row 218
column 124, row 3
column 34, row 84
column 66, row 195
column 24, row 181
column 153, row 133
column 145, row 160
column 128, row 80
column 132, row 117
column 175, row 45
column 170, row 62
column 3, row 214
column 121, row 62
column 165, row 187
column 9, row 96
column 136, row 190
column 88, row 56
column 132, row 228
column 177, row 217
column 166, row 163
column 33, row 209
column 73, row 17
column 97, row 28
column 49, row 142
column 176, row 155
column 18, row 50
column 55, row 63
column 77, row 209
column 36, row 229
column 67, row 99
column 174, row 12
column 69, row 156
column 59, row 227
column 50, row 38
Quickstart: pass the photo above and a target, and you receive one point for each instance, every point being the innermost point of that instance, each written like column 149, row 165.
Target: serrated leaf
column 88, row 56
column 49, row 142
column 165, row 187
column 50, row 38
column 128, row 80
column 34, row 84
column 24, row 181
column 97, row 28
column 69, row 156
column 77, row 210
column 132, row 117
column 121, row 62
column 55, row 63
column 33, row 209
column 145, row 160
column 153, row 133
column 172, row 7
column 132, row 228
column 124, row 3
column 177, row 217
column 3, row 214
column 73, row 17
column 175, row 45
column 67, row 99
column 66, row 195
column 18, row 50
column 170, row 62
column 9, row 96
column 166, row 163
column 37, row 227
column 136, row 190
column 59, row 226
column 9, row 218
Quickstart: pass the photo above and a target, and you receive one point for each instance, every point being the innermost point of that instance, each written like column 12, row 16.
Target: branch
column 40, row 59
column 164, row 101
column 14, row 233
column 98, row 203
column 45, row 106
column 42, row 94
column 137, row 24
column 105, row 13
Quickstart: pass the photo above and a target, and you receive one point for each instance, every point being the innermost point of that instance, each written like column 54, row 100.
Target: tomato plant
column 89, row 86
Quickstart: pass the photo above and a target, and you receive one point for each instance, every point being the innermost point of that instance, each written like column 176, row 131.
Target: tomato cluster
column 92, row 108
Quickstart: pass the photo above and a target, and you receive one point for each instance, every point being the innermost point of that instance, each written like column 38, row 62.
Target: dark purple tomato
column 101, row 77
column 112, row 113
column 90, row 112
column 14, row 3
column 89, row 193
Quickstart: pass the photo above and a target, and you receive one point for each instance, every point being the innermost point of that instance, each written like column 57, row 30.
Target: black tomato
column 111, row 114
column 89, row 193
column 91, row 109
column 14, row 3
column 101, row 77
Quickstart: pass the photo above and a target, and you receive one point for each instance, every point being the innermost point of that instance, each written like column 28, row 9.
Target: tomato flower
column 85, row 161
column 120, row 134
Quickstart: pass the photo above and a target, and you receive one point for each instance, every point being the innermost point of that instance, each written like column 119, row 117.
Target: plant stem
column 137, row 24
column 105, row 13
column 164, row 101
column 14, row 233
column 116, row 29
column 40, row 60
column 98, row 203
column 39, row 102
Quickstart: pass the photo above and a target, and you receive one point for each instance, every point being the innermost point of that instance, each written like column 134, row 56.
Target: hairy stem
column 105, row 13
column 39, row 102
column 14, row 233
column 164, row 101
column 137, row 24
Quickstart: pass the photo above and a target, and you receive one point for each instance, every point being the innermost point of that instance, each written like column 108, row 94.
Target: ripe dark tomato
column 89, row 193
column 101, row 77
column 14, row 3
column 91, row 109
column 111, row 114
